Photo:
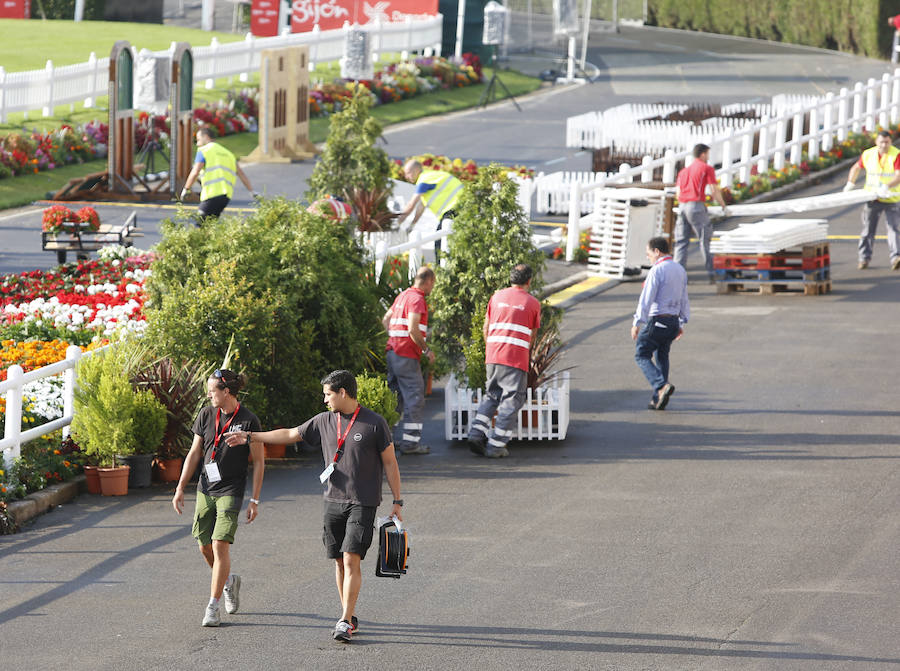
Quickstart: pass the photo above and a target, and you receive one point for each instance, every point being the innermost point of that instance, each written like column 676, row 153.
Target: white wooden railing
column 84, row 82
column 781, row 140
column 12, row 387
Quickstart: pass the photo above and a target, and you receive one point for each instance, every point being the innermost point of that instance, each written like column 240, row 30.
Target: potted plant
column 372, row 392
column 180, row 388
column 148, row 424
column 103, row 424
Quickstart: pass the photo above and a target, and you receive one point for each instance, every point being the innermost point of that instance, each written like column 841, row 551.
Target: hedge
column 65, row 9
column 857, row 26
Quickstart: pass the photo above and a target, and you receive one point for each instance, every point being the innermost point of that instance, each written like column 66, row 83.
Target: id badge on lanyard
column 212, row 468
column 324, row 475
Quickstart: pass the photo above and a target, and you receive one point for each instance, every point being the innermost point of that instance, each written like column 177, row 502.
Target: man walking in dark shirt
column 220, row 492
column 358, row 451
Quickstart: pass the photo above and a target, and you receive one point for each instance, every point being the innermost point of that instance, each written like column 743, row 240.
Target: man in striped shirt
column 510, row 326
column 663, row 310
column 406, row 323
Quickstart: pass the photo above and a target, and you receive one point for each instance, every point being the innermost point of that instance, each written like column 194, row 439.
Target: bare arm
column 718, row 196
column 192, row 177
column 258, row 455
column 193, row 459
column 410, row 206
column 275, row 436
column 854, row 173
column 244, row 179
column 415, row 333
column 392, row 471
column 386, row 320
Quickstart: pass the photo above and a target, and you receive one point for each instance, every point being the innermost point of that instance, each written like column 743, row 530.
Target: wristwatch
column 398, row 502
column 256, row 501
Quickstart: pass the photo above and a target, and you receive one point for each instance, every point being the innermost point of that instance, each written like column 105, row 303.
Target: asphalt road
column 752, row 525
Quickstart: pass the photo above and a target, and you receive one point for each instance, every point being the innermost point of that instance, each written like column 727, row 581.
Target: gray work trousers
column 693, row 215
column 505, row 396
column 870, row 214
column 405, row 379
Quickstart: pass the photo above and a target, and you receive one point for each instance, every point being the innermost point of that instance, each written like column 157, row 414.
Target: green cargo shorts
column 216, row 518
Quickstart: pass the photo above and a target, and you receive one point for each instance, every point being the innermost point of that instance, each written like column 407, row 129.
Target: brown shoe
column 895, row 264
column 863, row 265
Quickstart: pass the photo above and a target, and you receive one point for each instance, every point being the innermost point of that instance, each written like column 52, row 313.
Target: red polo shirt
column 692, row 181
column 411, row 301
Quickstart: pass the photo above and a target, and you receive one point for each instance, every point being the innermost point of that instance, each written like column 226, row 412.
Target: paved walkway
column 752, row 525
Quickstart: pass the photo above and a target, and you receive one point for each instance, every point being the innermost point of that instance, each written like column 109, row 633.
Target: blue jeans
column 656, row 338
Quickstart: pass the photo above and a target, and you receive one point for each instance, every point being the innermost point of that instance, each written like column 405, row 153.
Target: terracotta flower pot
column 168, row 470
column 114, row 481
column 275, row 451
column 92, row 478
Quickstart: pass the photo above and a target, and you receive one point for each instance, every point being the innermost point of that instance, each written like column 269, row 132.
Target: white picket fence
column 781, row 140
column 545, row 415
column 13, row 386
column 84, row 82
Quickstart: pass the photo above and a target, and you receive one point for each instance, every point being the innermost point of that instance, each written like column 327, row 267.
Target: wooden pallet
column 774, row 275
column 768, row 288
column 809, row 257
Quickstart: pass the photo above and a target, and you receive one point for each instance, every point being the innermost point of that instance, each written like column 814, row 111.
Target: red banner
column 331, row 14
column 264, row 17
column 15, row 9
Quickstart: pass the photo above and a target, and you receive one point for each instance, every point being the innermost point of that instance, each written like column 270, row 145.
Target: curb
column 42, row 501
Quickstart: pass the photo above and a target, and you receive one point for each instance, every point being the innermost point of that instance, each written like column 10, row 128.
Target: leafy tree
column 284, row 286
column 490, row 235
column 352, row 166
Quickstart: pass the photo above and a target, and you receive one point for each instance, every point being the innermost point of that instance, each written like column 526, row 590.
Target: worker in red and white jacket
column 407, row 325
column 510, row 326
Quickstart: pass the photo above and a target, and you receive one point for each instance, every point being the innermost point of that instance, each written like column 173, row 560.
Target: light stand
column 495, row 17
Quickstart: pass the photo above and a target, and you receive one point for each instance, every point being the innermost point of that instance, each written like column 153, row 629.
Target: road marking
column 575, row 289
column 555, row 160
column 20, row 214
column 159, row 206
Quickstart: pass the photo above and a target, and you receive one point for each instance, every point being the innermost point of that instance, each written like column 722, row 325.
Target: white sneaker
column 342, row 631
column 231, row 594
column 212, row 618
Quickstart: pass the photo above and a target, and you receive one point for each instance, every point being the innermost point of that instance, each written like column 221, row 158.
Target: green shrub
column 149, row 422
column 858, row 26
column 285, row 286
column 373, row 393
column 65, row 9
column 490, row 235
column 103, row 422
column 475, row 372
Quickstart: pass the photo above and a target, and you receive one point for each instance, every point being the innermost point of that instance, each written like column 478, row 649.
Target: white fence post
column 796, row 142
column 828, row 123
column 669, row 166
column 73, row 354
column 92, row 65
column 2, row 95
column 214, row 49
column 48, row 108
column 727, row 176
column 13, row 426
column 646, row 174
column 856, row 124
column 885, row 101
column 812, row 149
column 870, row 105
column 843, row 103
column 762, row 163
column 251, row 51
column 574, row 232
column 780, row 141
column 625, row 169
column 895, row 97
column 746, row 155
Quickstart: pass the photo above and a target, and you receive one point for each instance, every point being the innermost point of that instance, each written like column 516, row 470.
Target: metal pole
column 615, row 16
column 79, row 10
column 530, row 28
column 460, row 24
column 207, row 15
column 587, row 32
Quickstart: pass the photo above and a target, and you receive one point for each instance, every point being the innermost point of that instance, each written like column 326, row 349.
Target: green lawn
column 18, row 191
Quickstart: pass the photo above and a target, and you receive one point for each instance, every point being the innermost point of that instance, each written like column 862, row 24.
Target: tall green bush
column 148, row 422
column 373, row 393
column 103, row 423
column 287, row 286
column 857, row 26
column 490, row 235
column 65, row 9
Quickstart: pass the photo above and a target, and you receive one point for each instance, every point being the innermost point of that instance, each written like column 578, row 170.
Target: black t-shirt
column 358, row 473
column 232, row 461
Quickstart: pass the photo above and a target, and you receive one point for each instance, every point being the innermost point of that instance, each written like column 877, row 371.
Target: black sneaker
column 477, row 445
column 354, row 625
column 342, row 631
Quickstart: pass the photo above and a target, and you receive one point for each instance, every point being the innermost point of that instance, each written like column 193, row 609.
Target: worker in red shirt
column 407, row 325
column 894, row 22
column 510, row 326
column 691, row 193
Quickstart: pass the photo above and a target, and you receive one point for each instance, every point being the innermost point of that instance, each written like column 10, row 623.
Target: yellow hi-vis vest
column 444, row 194
column 880, row 170
column 219, row 171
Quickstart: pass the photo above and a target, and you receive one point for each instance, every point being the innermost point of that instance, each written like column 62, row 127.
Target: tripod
column 490, row 93
column 151, row 148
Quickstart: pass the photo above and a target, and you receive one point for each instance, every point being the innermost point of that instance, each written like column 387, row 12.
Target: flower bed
column 396, row 82
column 465, row 171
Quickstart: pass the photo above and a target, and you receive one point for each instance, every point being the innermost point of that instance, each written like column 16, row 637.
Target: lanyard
column 661, row 259
column 340, row 438
column 219, row 434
